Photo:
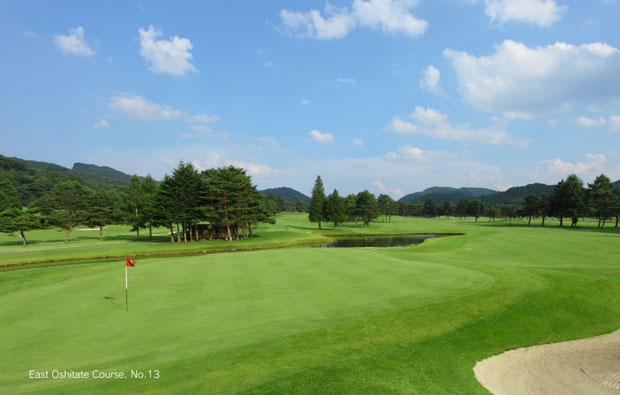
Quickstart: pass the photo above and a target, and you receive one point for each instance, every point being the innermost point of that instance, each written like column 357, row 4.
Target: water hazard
column 378, row 241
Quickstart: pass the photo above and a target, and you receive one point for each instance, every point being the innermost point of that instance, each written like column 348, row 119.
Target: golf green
column 310, row 320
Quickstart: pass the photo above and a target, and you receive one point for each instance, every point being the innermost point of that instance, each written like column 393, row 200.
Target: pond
column 377, row 241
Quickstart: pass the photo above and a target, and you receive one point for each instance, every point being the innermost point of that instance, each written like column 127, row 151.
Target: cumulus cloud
column 322, row 138
column 101, row 124
column 389, row 16
column 346, row 80
column 305, row 101
column 165, row 56
column 357, row 142
column 522, row 82
column 540, row 12
column 139, row 107
column 30, row 34
column 254, row 169
column 209, row 161
column 74, row 43
column 430, row 80
column 204, row 118
column 613, row 122
column 393, row 192
column 432, row 123
column 594, row 163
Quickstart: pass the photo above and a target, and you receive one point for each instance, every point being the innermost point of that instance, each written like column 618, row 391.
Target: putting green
column 73, row 317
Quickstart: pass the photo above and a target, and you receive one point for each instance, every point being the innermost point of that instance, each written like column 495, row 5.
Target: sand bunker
column 588, row 366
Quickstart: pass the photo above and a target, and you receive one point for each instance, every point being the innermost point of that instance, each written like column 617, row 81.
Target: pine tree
column 317, row 202
column 366, row 207
column 334, row 209
column 603, row 198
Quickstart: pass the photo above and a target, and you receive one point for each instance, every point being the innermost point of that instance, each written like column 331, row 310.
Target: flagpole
column 126, row 299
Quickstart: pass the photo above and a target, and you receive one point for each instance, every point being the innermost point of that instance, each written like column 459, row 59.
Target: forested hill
column 441, row 195
column 515, row 195
column 100, row 173
column 287, row 194
column 27, row 180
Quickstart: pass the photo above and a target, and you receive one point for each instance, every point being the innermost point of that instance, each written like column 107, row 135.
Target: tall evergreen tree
column 99, row 212
column 334, row 209
column 66, row 205
column 385, row 205
column 13, row 220
column 603, row 198
column 462, row 207
column 475, row 208
column 569, row 199
column 317, row 202
column 531, row 206
column 366, row 207
column 448, row 209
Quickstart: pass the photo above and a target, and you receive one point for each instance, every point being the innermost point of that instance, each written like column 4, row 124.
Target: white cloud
column 434, row 124
column 209, row 161
column 305, row 101
column 337, row 23
column 30, row 34
column 254, row 169
column 346, row 80
column 101, row 124
column 168, row 161
column 74, row 43
column 321, row 138
column 540, row 12
column 165, row 56
column 204, row 118
column 357, row 142
column 613, row 122
column 594, row 163
column 204, row 133
column 393, row 192
column 587, row 122
column 139, row 107
column 522, row 82
column 430, row 80
column 390, row 16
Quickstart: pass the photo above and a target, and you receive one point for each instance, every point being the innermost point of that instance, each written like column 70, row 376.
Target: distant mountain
column 27, row 180
column 287, row 193
column 617, row 184
column 100, row 173
column 441, row 195
column 515, row 195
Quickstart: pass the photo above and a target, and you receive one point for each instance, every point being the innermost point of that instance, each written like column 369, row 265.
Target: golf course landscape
column 299, row 319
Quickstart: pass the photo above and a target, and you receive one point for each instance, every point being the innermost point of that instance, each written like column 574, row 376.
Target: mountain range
column 31, row 178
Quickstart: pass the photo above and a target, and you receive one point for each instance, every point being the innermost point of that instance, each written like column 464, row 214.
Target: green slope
column 302, row 320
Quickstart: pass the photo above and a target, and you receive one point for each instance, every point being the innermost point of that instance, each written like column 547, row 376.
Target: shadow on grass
column 113, row 301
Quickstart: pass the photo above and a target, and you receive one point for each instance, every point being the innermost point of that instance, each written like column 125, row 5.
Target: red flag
column 129, row 262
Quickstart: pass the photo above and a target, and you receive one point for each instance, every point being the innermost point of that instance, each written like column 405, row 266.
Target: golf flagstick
column 126, row 298
column 128, row 262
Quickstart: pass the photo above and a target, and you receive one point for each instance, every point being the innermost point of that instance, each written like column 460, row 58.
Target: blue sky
column 392, row 96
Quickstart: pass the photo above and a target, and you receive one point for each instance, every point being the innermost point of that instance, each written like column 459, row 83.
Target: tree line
column 223, row 196
column 570, row 200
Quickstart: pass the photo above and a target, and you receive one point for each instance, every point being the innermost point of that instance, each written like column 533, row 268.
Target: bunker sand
column 587, row 366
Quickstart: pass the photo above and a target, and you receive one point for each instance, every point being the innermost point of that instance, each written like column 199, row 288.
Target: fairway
column 311, row 320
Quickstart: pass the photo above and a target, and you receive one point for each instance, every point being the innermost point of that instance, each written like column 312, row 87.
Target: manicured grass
column 290, row 228
column 304, row 320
